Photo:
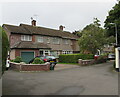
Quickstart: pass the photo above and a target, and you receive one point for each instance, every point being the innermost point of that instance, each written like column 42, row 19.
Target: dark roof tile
column 29, row 29
column 30, row 44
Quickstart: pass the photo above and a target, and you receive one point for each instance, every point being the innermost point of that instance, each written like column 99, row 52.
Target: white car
column 111, row 56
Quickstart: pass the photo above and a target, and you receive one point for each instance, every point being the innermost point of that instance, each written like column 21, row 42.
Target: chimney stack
column 33, row 22
column 61, row 27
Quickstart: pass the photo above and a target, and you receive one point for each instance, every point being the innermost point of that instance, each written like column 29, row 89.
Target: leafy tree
column 93, row 38
column 5, row 47
column 78, row 33
column 112, row 19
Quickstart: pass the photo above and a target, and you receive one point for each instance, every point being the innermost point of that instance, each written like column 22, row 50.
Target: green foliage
column 78, row 33
column 113, row 17
column 37, row 61
column 17, row 59
column 93, row 38
column 5, row 48
column 73, row 58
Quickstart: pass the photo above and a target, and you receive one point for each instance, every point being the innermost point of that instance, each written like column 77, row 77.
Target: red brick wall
column 14, row 38
column 33, row 38
column 35, row 67
column 27, row 67
column 18, row 52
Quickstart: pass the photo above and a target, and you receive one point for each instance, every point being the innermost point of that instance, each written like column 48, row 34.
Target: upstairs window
column 66, row 41
column 48, row 40
column 26, row 38
column 56, row 41
column 40, row 39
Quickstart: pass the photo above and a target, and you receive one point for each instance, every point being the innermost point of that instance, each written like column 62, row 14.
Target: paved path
column 65, row 66
column 86, row 80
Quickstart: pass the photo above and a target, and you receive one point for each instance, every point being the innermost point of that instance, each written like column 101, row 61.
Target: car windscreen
column 50, row 57
column 41, row 57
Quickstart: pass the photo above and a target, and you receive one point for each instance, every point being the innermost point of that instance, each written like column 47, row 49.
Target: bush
column 73, row 58
column 5, row 47
column 37, row 61
column 101, row 59
column 17, row 59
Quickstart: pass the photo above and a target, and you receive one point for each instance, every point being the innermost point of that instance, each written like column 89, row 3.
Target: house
column 29, row 41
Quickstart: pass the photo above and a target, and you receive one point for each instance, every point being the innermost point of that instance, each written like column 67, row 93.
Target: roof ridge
column 10, row 25
column 43, row 27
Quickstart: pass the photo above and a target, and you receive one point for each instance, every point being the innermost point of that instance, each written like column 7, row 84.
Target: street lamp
column 115, row 33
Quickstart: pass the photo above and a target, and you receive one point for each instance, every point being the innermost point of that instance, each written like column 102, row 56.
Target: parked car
column 96, row 56
column 111, row 56
column 50, row 59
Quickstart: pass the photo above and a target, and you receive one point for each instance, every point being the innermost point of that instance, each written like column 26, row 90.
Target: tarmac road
column 82, row 80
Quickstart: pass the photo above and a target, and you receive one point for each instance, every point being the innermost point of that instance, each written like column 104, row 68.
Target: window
column 48, row 40
column 46, row 52
column 40, row 39
column 67, row 52
column 56, row 41
column 26, row 38
column 66, row 41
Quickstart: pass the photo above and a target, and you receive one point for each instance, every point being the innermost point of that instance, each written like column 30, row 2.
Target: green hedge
column 73, row 58
column 5, row 48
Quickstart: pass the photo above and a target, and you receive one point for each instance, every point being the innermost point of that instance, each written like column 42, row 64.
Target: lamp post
column 115, row 33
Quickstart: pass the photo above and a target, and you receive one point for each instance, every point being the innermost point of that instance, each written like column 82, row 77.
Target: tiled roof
column 29, row 29
column 30, row 44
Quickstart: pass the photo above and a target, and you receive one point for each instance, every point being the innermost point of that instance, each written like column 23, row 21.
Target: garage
column 27, row 56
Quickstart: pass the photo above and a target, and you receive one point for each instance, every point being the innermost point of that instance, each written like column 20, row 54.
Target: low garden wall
column 86, row 62
column 30, row 67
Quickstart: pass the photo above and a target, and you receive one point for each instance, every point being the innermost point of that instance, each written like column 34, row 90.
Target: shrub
column 17, row 59
column 37, row 61
column 73, row 58
column 101, row 59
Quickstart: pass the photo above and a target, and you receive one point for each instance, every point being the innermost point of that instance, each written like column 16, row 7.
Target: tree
column 93, row 38
column 112, row 19
column 5, row 47
column 78, row 33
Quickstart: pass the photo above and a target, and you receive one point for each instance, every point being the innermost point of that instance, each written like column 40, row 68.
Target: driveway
column 82, row 80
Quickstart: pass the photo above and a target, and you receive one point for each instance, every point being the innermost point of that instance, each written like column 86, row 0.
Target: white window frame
column 26, row 38
column 40, row 39
column 46, row 52
column 67, row 52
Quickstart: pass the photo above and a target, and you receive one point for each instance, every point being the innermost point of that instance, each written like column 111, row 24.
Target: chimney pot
column 33, row 22
column 61, row 27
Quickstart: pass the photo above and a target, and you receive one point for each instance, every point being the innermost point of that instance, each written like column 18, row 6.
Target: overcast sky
column 73, row 15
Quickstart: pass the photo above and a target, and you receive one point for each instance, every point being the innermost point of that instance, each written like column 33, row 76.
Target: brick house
column 29, row 41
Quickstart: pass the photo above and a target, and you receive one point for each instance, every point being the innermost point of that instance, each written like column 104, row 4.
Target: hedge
column 5, row 48
column 73, row 58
